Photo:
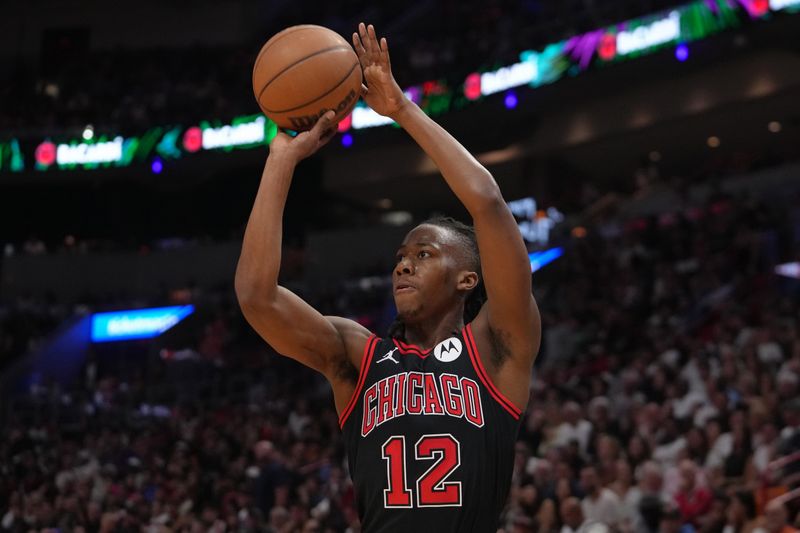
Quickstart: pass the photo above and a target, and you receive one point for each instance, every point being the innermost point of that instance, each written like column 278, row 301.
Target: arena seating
column 670, row 364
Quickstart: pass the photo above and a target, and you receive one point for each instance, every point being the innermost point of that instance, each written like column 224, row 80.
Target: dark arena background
column 649, row 150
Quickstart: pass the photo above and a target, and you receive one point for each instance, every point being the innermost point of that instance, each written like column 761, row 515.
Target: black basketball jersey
column 430, row 439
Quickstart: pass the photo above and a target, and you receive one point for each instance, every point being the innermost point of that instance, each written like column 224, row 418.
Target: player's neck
column 427, row 333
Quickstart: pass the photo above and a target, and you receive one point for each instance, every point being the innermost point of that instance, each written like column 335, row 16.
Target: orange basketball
column 304, row 71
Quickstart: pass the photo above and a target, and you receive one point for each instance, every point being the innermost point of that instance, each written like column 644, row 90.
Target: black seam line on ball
column 323, row 95
column 326, row 50
column 277, row 38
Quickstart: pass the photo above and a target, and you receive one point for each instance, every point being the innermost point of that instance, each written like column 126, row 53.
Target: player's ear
column 467, row 280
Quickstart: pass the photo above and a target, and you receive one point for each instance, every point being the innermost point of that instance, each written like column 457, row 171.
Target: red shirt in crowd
column 694, row 504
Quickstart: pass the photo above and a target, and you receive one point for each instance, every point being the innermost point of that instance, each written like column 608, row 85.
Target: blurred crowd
column 129, row 91
column 681, row 396
column 666, row 398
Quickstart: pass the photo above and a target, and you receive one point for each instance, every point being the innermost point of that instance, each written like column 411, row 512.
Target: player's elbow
column 244, row 287
column 252, row 296
column 258, row 311
column 488, row 200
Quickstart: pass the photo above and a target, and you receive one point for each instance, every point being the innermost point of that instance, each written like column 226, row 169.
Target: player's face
column 424, row 277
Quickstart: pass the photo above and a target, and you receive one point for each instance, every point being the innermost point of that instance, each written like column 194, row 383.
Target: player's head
column 437, row 268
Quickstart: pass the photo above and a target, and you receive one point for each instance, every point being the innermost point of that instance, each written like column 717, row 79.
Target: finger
column 385, row 52
column 361, row 53
column 373, row 38
column 326, row 136
column 323, row 124
column 358, row 45
column 362, row 32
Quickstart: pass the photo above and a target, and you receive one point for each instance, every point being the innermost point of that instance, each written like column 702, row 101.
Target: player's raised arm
column 510, row 313
column 284, row 320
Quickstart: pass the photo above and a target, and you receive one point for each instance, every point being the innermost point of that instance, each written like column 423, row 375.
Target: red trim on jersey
column 477, row 363
column 413, row 347
column 369, row 349
column 406, row 349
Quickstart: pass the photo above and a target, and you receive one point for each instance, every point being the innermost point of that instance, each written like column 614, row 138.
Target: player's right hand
column 382, row 93
column 305, row 143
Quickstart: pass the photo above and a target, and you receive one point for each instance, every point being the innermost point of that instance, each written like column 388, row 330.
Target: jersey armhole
column 369, row 349
column 477, row 364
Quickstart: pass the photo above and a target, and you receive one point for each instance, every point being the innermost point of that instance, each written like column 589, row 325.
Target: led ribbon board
column 619, row 42
column 11, row 156
column 624, row 41
column 169, row 143
column 137, row 323
column 779, row 5
column 239, row 133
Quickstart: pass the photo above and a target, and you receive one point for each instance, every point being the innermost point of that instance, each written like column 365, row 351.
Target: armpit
column 345, row 371
column 500, row 342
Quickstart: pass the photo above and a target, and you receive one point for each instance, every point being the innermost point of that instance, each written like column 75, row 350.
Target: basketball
column 304, row 71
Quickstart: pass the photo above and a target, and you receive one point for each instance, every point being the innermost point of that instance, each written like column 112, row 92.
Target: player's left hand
column 306, row 143
column 382, row 93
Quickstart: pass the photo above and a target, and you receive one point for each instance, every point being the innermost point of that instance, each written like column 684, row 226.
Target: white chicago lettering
column 421, row 393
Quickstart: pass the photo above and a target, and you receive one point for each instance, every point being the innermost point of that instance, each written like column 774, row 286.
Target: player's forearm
column 468, row 179
column 259, row 262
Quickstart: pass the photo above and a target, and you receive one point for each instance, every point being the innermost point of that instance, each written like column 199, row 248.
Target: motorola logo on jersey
column 421, row 393
column 448, row 350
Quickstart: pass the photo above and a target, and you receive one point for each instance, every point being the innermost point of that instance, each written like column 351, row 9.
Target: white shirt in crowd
column 606, row 508
column 670, row 452
column 720, row 450
column 566, row 432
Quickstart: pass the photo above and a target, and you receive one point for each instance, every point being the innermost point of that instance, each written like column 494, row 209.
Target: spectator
column 571, row 515
column 573, row 428
column 649, row 486
column 600, row 504
column 693, row 500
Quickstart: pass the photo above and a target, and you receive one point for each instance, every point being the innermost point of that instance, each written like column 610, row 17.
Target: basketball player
column 429, row 414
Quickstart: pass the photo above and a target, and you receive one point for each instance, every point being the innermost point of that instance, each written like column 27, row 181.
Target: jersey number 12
column 432, row 488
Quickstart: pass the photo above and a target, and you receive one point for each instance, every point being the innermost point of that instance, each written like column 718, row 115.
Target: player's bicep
column 295, row 329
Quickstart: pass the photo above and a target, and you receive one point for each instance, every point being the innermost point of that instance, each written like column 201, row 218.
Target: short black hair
column 465, row 235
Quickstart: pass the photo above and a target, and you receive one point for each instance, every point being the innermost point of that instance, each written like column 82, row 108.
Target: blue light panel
column 137, row 323
column 540, row 259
